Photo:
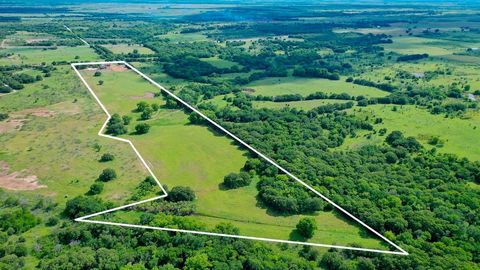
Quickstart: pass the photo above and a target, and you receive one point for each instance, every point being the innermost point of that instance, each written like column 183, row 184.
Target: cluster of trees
column 315, row 73
column 418, row 198
column 298, row 97
column 116, row 125
column 15, row 81
column 192, row 68
column 89, row 246
column 179, row 193
column 412, row 57
column 382, row 86
column 287, row 196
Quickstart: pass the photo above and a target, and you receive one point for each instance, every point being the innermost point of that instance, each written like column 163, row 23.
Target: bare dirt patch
column 40, row 112
column 146, row 95
column 11, row 125
column 20, row 180
column 117, row 68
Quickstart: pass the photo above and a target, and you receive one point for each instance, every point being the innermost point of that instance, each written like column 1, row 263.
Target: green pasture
column 420, row 45
column 304, row 86
column 460, row 136
column 304, row 104
column 127, row 48
column 219, row 63
column 189, row 155
column 185, row 37
column 26, row 56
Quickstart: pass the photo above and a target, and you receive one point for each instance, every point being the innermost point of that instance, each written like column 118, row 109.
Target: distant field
column 194, row 156
column 305, row 86
column 419, row 45
column 219, row 63
column 187, row 37
column 37, row 56
column 126, row 48
column 459, row 136
column 304, row 104
column 24, row 37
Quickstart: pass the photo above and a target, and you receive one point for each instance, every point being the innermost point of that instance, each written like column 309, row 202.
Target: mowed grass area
column 185, row 37
column 127, row 48
column 26, row 56
column 459, row 136
column 432, row 46
column 305, row 86
column 219, row 63
column 304, row 104
column 182, row 154
column 62, row 148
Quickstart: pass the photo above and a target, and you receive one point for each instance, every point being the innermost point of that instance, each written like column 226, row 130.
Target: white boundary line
column 81, row 39
column 100, row 133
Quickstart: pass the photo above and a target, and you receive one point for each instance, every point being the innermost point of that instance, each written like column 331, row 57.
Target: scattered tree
column 107, row 175
column 180, row 193
column 306, row 227
column 142, row 128
column 107, row 157
column 95, row 188
column 236, row 180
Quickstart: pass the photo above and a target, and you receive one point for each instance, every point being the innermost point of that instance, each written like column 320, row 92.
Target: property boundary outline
column 165, row 194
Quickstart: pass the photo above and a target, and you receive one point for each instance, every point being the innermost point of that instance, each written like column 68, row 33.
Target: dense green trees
column 81, row 205
column 17, row 220
column 403, row 191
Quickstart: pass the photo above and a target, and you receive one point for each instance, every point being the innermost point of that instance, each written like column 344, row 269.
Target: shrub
column 3, row 116
column 146, row 114
column 306, row 227
column 179, row 193
column 107, row 157
column 95, row 188
column 126, row 119
column 142, row 105
column 142, row 128
column 51, row 221
column 235, row 180
column 107, row 175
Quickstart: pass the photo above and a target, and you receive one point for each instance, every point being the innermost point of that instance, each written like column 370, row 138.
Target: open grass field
column 188, row 155
column 459, row 136
column 219, row 63
column 36, row 56
column 57, row 140
column 24, row 37
column 432, row 46
column 186, row 37
column 304, row 104
column 305, row 86
column 127, row 48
